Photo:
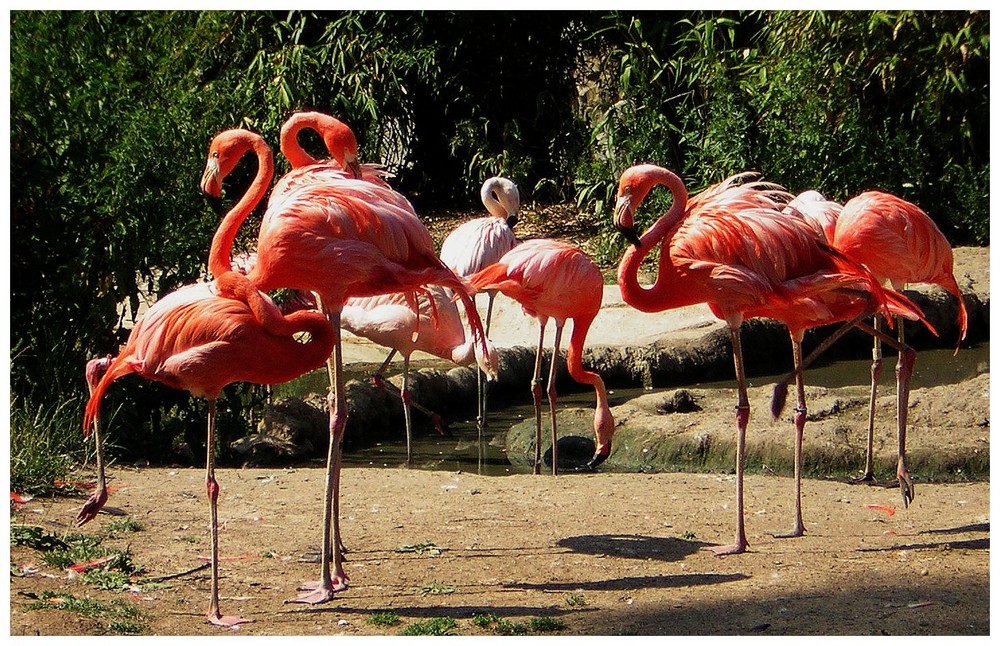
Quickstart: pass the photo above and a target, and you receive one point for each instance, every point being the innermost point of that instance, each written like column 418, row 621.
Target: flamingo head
column 625, row 219
column 604, row 428
column 340, row 143
column 632, row 189
column 95, row 368
column 487, row 363
column 502, row 199
column 224, row 153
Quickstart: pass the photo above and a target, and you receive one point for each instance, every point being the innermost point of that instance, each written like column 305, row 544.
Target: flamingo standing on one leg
column 341, row 237
column 194, row 339
column 551, row 279
column 900, row 244
column 732, row 248
column 478, row 243
column 388, row 320
column 93, row 372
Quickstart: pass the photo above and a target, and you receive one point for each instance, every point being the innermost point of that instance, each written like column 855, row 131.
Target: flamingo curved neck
column 219, row 255
column 658, row 297
column 290, row 146
column 603, row 419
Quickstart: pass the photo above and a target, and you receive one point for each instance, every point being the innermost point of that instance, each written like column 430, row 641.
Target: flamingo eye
column 215, row 154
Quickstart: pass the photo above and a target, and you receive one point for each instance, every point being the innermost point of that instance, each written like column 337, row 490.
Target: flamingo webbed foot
column 216, row 618
column 726, row 550
column 316, row 592
column 867, row 478
column 92, row 507
column 798, row 532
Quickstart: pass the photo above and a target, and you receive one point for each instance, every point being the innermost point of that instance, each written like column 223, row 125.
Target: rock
column 291, row 430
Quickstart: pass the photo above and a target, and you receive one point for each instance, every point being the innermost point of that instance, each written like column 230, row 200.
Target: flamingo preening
column 732, row 248
column 900, row 244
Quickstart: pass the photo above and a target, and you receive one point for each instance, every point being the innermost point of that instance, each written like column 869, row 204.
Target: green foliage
column 436, row 627
column 424, row 548
column 45, row 440
column 837, row 101
column 121, row 617
column 383, row 619
column 501, row 626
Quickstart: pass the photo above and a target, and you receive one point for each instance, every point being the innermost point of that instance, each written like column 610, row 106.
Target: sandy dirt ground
column 603, row 554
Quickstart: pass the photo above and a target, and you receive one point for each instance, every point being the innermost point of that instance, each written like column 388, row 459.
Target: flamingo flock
column 360, row 258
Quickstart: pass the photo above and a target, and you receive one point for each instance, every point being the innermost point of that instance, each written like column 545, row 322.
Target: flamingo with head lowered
column 389, row 320
column 732, row 248
column 552, row 279
column 205, row 336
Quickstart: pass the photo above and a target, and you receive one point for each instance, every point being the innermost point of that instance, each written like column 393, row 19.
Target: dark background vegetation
column 112, row 112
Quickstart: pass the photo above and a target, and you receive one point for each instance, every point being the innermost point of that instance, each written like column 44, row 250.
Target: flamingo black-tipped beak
column 215, row 201
column 353, row 166
column 631, row 236
column 512, row 220
column 595, row 461
column 624, row 222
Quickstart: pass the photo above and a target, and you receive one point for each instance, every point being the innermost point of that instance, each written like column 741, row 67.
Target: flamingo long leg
column 742, row 418
column 214, row 616
column 876, row 371
column 405, row 394
column 97, row 499
column 551, row 393
column 331, row 582
column 800, row 422
column 536, row 395
column 481, row 386
column 904, row 370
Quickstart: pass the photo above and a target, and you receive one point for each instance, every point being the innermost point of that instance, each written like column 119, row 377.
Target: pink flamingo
column 478, row 243
column 342, row 237
column 555, row 280
column 389, row 320
column 194, row 339
column 732, row 248
column 341, row 145
column 900, row 244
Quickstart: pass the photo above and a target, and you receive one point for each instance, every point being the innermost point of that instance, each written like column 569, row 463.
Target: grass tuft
column 436, row 627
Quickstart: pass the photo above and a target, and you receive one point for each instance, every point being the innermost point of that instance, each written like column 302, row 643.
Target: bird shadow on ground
column 979, row 527
column 970, row 544
column 635, row 582
column 633, row 546
column 431, row 611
